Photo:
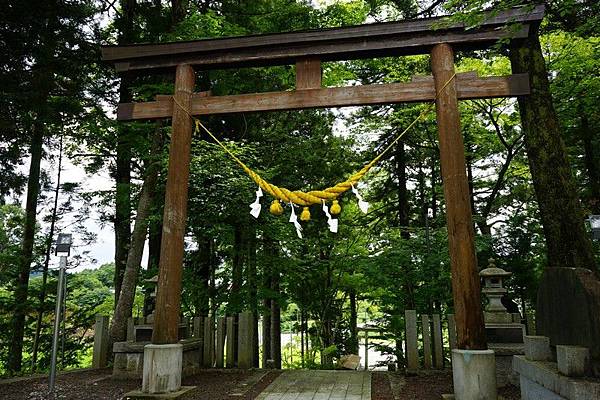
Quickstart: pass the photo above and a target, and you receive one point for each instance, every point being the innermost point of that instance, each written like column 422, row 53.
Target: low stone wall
column 129, row 358
column 540, row 380
column 545, row 376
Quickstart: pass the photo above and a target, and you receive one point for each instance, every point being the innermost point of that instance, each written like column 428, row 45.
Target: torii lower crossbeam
column 468, row 86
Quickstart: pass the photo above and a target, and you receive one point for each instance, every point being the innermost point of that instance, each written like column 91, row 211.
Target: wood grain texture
column 420, row 89
column 308, row 73
column 461, row 243
column 363, row 41
column 168, row 295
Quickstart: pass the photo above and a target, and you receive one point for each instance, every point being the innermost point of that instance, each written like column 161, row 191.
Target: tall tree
column 125, row 24
column 52, row 82
column 562, row 218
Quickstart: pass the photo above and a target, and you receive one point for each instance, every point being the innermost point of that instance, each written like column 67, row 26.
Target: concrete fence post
column 220, row 350
column 245, row 340
column 438, row 346
column 100, row 354
column 198, row 333
column 412, row 355
column 426, row 341
column 229, row 343
column 130, row 329
column 208, row 342
column 451, row 332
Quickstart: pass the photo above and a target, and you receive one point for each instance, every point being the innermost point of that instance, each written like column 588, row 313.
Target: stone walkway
column 319, row 385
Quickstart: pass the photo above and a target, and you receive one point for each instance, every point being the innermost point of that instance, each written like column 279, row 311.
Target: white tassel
column 294, row 220
column 333, row 223
column 363, row 205
column 255, row 207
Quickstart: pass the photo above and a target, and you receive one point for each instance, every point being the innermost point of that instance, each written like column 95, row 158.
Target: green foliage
column 392, row 259
column 89, row 292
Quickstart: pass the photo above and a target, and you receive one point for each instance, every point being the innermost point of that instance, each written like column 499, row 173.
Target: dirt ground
column 222, row 384
column 98, row 385
column 424, row 386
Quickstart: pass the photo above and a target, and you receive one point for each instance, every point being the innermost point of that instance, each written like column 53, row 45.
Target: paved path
column 319, row 385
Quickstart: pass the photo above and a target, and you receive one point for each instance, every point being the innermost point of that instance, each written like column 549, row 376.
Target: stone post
column 99, row 358
column 208, row 342
column 438, row 347
column 426, row 341
column 220, row 350
column 451, row 331
column 412, row 355
column 130, row 329
column 245, row 340
column 229, row 344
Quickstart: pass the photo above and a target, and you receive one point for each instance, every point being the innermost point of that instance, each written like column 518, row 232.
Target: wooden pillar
column 168, row 295
column 465, row 278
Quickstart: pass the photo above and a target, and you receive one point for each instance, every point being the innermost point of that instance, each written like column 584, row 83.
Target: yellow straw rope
column 315, row 196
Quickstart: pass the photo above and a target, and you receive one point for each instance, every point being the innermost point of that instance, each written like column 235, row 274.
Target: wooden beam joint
column 308, row 73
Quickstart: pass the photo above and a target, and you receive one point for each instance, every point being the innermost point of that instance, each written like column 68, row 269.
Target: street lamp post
column 63, row 247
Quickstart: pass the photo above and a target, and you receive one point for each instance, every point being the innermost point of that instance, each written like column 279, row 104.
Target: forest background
column 57, row 106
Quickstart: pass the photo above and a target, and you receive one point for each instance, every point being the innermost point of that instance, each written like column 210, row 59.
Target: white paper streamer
column 333, row 223
column 363, row 205
column 294, row 220
column 255, row 207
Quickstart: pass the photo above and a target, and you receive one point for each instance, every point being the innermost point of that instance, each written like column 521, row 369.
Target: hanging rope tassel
column 276, row 208
column 305, row 215
column 336, row 208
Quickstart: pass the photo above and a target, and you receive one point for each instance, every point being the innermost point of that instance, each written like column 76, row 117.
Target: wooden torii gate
column 307, row 49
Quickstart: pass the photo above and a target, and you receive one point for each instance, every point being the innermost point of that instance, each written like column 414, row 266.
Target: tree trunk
column 202, row 273
column 592, row 164
column 353, row 322
column 276, row 321
column 122, row 175
column 567, row 242
column 403, row 206
column 251, row 278
column 155, row 231
column 235, row 295
column 15, row 355
column 178, row 11
column 42, row 296
column 123, row 310
column 434, row 199
column 266, row 328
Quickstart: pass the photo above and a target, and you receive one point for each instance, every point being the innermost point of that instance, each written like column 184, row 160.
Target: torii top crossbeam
column 307, row 49
column 362, row 41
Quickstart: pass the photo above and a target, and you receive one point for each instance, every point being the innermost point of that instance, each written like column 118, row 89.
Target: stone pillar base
column 162, row 368
column 474, row 374
column 139, row 395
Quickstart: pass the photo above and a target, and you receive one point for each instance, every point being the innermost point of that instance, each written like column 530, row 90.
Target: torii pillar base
column 162, row 372
column 473, row 375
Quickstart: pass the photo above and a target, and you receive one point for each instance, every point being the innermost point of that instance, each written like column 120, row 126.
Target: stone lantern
column 493, row 287
column 500, row 325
